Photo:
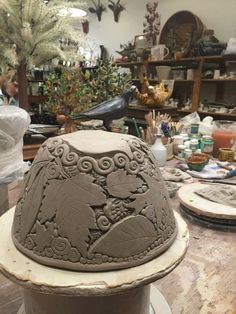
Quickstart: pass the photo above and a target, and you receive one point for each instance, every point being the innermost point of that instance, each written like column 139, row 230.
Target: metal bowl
column 43, row 129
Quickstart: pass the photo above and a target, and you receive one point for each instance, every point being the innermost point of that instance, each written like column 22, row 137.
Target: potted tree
column 31, row 33
column 72, row 90
column 69, row 93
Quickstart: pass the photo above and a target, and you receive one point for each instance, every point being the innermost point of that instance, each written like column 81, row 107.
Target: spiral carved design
column 29, row 243
column 103, row 223
column 60, row 246
column 121, row 160
column 70, row 159
column 86, row 164
column 138, row 156
column 51, row 144
column 61, row 150
column 132, row 167
column 103, row 166
column 52, row 171
column 135, row 146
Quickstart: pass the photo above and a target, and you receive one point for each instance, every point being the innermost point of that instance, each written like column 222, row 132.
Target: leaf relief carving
column 43, row 236
column 128, row 237
column 73, row 197
column 120, row 184
column 32, row 204
column 32, row 175
column 153, row 196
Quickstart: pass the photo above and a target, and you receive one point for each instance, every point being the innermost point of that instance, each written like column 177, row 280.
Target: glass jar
column 194, row 128
column 181, row 149
column 177, row 140
column 207, row 144
column 185, row 136
column 194, row 145
column 224, row 135
column 187, row 153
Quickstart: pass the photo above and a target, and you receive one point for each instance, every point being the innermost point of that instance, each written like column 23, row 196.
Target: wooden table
column 31, row 146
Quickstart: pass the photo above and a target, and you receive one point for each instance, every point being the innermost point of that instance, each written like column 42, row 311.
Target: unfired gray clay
column 172, row 188
column 93, row 201
column 219, row 194
column 175, row 175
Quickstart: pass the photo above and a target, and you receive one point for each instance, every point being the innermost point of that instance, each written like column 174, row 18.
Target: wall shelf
column 37, row 99
column 193, row 87
column 232, row 115
column 218, row 80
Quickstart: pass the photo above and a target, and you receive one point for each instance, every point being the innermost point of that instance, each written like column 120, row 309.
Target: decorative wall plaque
column 92, row 201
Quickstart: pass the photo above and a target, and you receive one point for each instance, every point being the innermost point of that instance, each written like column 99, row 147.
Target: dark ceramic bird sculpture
column 109, row 110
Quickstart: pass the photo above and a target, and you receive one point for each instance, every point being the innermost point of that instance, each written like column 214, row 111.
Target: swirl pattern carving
column 52, row 171
column 93, row 211
column 103, row 223
column 120, row 160
column 61, row 246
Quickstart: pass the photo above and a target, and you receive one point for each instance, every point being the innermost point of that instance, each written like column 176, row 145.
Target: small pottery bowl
column 201, row 155
column 196, row 166
column 197, row 161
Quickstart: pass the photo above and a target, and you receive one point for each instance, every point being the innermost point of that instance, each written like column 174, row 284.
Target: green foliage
column 68, row 92
column 73, row 91
column 109, row 82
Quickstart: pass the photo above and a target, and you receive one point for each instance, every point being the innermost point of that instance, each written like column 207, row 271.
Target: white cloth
column 14, row 122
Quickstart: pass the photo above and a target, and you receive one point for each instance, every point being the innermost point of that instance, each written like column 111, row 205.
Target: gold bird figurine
column 154, row 95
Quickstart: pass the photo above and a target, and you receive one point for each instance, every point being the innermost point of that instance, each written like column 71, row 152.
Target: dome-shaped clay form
column 92, row 201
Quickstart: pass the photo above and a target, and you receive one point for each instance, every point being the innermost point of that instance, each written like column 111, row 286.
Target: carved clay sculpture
column 175, row 175
column 219, row 194
column 108, row 110
column 93, row 200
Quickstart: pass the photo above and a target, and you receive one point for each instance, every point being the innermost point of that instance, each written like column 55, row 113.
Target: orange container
column 224, row 135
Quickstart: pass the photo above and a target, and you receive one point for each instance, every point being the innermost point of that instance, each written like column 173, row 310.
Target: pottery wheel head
column 92, row 201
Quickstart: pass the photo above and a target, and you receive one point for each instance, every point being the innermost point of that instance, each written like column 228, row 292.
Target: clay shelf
column 183, row 60
column 157, row 81
column 217, row 113
column 185, row 110
column 209, row 113
column 218, row 80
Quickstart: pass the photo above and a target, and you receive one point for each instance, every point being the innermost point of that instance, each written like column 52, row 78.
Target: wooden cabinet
column 35, row 92
column 192, row 89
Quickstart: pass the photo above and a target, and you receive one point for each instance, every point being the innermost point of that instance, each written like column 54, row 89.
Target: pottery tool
column 149, row 120
column 206, row 181
column 162, row 118
column 136, row 128
column 142, row 134
column 225, row 165
column 154, row 114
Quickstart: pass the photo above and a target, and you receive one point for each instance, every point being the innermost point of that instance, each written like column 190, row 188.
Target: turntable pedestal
column 55, row 291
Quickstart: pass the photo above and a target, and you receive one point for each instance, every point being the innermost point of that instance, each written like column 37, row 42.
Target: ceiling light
column 72, row 12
